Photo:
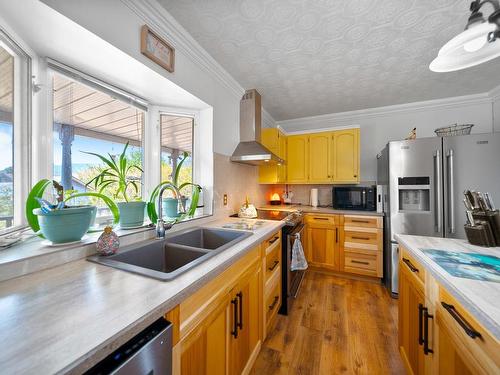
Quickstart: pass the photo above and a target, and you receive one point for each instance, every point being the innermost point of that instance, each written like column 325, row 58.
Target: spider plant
column 153, row 199
column 117, row 174
column 38, row 191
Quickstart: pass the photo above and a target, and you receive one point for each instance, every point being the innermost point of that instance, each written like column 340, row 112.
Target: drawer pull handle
column 410, row 265
column 320, row 218
column 273, row 240
column 360, row 238
column 336, row 235
column 275, row 301
column 360, row 221
column 359, row 262
column 275, row 264
column 471, row 332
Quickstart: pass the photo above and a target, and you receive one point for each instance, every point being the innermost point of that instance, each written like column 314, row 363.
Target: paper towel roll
column 314, row 197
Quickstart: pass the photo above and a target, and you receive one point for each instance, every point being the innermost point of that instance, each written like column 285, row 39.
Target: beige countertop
column 66, row 318
column 319, row 210
column 480, row 298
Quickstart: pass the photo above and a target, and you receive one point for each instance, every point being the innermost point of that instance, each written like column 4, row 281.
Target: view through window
column 6, row 138
column 176, row 142
column 88, row 120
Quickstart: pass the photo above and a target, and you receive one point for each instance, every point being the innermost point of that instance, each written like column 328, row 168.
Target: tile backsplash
column 237, row 181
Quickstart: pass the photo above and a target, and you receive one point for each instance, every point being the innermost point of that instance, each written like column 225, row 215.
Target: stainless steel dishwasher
column 148, row 353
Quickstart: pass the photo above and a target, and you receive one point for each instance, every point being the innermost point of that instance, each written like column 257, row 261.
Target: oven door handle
column 297, row 230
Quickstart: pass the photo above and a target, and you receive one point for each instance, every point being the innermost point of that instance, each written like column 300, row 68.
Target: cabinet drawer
column 272, row 242
column 322, row 220
column 367, row 238
column 272, row 304
column 362, row 263
column 362, row 221
column 476, row 346
column 273, row 262
column 412, row 265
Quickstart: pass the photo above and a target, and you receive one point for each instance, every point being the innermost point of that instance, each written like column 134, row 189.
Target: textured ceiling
column 311, row 57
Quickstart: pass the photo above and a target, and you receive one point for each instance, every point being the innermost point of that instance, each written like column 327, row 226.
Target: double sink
column 168, row 258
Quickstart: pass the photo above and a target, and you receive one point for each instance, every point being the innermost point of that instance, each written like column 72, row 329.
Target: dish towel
column 299, row 261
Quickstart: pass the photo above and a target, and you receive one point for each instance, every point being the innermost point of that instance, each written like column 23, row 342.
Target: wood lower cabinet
column 204, row 351
column 411, row 304
column 322, row 249
column 245, row 322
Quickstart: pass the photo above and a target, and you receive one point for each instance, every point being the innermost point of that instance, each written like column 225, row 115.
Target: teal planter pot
column 66, row 225
column 131, row 214
column 170, row 206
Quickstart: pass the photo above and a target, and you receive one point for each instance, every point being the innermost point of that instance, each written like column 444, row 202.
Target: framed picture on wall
column 157, row 49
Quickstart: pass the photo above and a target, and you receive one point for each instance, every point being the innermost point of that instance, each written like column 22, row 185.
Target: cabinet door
column 298, row 159
column 322, row 247
column 283, row 154
column 411, row 296
column 204, row 351
column 319, row 151
column 344, row 157
column 246, row 320
column 450, row 361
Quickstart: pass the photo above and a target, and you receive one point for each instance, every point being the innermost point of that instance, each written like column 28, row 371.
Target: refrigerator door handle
column 437, row 191
column 451, row 190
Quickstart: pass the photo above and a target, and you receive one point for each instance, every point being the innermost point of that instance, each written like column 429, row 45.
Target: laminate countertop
column 67, row 318
column 480, row 298
column 319, row 210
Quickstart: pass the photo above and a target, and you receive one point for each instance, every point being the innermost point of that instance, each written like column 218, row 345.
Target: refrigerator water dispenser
column 414, row 194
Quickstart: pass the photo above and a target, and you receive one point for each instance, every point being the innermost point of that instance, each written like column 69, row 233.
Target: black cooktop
column 269, row 214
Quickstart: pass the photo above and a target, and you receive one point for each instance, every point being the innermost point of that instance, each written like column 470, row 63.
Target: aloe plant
column 153, row 199
column 115, row 174
column 38, row 191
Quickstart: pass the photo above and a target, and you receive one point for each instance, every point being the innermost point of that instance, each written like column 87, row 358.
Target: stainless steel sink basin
column 178, row 253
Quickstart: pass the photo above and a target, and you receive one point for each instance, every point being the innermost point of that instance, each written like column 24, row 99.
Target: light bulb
column 475, row 44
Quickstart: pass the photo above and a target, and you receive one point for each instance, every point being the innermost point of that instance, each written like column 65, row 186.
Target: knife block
column 492, row 218
column 480, row 234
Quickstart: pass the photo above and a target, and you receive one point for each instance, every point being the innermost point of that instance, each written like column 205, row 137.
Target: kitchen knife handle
column 437, row 191
column 451, row 195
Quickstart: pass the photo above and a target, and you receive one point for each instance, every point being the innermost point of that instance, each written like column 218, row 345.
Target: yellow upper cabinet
column 275, row 141
column 345, row 156
column 320, row 148
column 297, row 159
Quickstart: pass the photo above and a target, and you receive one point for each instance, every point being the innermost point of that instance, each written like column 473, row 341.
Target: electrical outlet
column 225, row 199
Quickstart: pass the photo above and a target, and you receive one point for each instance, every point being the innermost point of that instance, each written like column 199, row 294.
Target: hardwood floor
column 337, row 326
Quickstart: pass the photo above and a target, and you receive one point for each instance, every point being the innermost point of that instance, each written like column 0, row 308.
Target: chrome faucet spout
column 161, row 226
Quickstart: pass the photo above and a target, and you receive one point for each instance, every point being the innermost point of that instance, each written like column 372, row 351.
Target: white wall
column 495, row 96
column 381, row 125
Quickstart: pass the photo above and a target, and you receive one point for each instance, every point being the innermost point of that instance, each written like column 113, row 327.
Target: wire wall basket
column 452, row 130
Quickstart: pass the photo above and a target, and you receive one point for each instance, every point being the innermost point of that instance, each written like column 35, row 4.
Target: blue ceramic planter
column 131, row 214
column 66, row 225
column 169, row 207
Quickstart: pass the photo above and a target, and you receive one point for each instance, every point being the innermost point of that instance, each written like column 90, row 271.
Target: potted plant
column 169, row 205
column 60, row 223
column 117, row 175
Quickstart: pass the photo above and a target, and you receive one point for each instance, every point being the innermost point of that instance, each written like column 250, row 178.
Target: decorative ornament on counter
column 248, row 210
column 108, row 242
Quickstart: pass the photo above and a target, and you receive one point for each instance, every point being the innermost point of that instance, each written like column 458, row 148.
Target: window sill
column 32, row 255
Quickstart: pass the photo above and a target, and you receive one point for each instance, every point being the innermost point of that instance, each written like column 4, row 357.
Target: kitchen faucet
column 161, row 226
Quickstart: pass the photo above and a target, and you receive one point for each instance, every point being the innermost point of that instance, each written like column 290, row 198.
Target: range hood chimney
column 250, row 150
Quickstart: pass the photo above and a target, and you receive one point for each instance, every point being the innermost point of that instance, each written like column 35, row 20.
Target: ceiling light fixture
column 478, row 43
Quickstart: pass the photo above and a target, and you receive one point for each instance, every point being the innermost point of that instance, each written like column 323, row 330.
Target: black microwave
column 362, row 198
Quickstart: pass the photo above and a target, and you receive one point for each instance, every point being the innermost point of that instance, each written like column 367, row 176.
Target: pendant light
column 478, row 43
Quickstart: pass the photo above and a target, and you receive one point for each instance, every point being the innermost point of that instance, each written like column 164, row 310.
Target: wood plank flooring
column 337, row 326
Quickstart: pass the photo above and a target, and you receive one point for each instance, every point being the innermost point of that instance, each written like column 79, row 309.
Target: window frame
column 21, row 130
column 55, row 67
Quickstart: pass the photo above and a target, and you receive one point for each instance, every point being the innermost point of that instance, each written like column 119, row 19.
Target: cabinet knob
column 355, row 175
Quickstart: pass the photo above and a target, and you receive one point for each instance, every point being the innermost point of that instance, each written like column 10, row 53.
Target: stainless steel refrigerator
column 422, row 183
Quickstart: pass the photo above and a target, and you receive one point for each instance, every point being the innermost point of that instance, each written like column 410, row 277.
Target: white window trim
column 22, row 116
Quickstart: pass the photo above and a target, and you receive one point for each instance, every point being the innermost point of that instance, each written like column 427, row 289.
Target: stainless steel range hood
column 250, row 150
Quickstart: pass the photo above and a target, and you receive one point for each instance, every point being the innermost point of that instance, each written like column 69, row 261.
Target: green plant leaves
column 108, row 201
column 31, row 203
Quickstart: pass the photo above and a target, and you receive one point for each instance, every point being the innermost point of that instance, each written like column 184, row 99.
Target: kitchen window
column 15, row 106
column 86, row 119
column 177, row 134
